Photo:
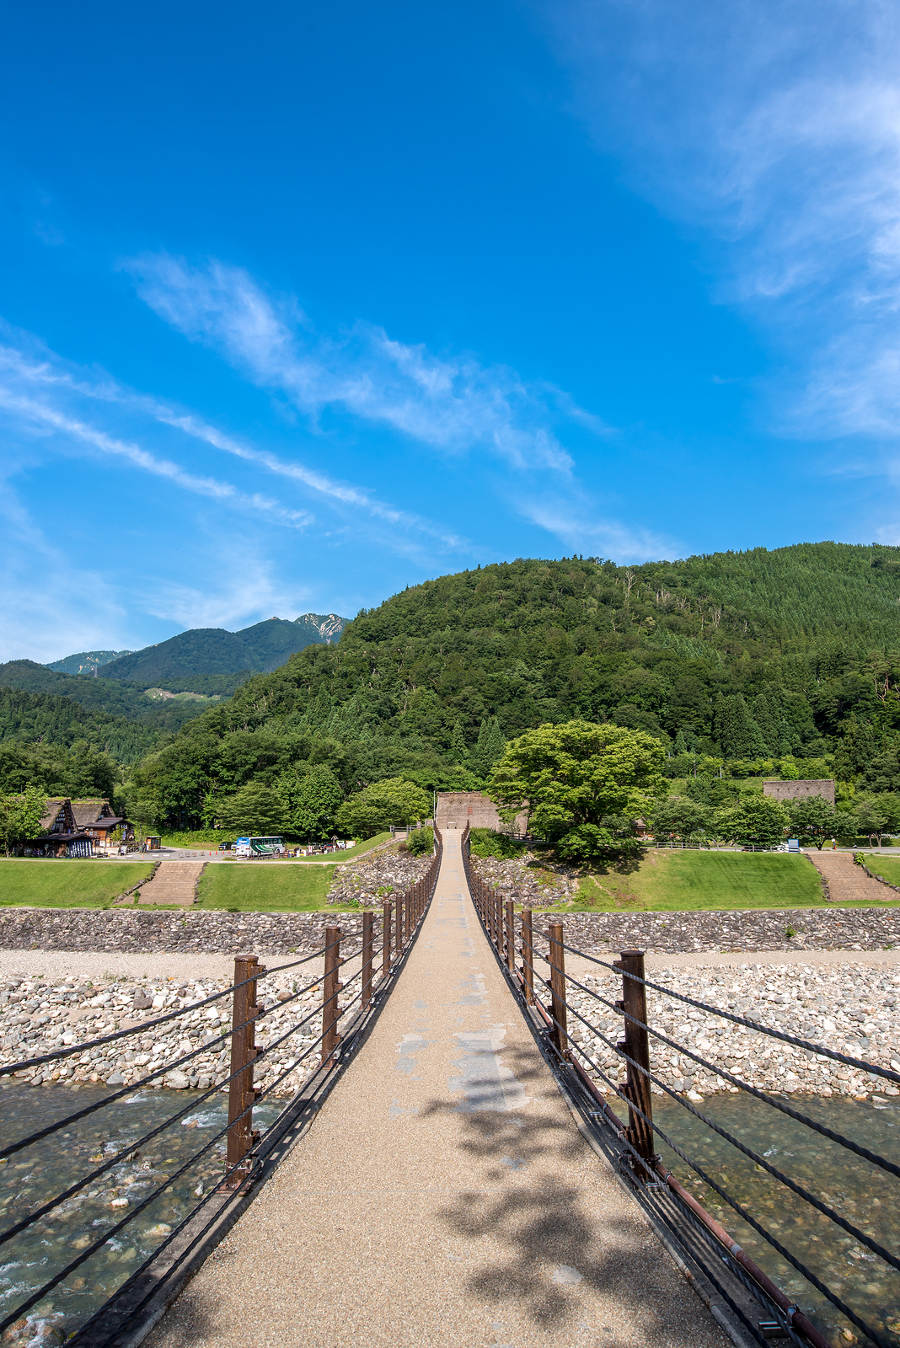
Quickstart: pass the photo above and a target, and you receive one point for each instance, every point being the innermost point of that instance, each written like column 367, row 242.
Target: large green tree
column 586, row 785
column 681, row 817
column 20, row 817
column 308, row 802
column 754, row 821
column 813, row 819
column 378, row 806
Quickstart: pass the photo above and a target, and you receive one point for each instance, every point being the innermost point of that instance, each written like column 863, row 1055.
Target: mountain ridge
column 208, row 660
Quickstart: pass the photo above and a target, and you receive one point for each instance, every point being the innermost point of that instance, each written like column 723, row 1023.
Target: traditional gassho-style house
column 60, row 835
column 79, row 828
column 106, row 829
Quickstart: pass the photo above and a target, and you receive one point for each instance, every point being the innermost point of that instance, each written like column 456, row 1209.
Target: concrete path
column 444, row 1197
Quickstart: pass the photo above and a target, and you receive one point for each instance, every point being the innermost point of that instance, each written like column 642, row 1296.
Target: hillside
column 117, row 700
column 85, row 662
column 213, row 660
column 741, row 655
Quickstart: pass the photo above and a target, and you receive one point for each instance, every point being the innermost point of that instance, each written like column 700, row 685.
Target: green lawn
column 262, row 887
column 356, row 850
column 67, row 884
column 704, row 880
column 887, row 867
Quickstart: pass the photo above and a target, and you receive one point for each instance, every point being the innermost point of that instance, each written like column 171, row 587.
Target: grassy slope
column 705, row 880
column 67, row 884
column 288, row 888
column 887, row 867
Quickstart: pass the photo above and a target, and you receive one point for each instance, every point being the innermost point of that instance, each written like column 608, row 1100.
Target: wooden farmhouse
column 106, row 829
column 79, row 828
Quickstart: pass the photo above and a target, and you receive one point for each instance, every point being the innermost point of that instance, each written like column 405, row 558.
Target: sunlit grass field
column 67, row 883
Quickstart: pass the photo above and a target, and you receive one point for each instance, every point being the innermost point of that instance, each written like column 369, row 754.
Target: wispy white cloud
column 51, row 629
column 775, row 125
column 450, row 404
column 587, row 532
column 33, row 412
column 29, row 365
column 245, row 591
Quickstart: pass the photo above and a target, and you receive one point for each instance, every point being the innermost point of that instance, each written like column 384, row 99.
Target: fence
column 697, row 1235
column 324, row 1037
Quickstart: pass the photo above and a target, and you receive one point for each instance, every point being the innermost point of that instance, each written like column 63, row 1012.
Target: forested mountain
column 119, row 700
column 53, row 743
column 85, row 662
column 212, row 660
column 738, row 656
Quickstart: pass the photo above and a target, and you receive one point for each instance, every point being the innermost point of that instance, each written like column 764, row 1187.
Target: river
column 29, row 1178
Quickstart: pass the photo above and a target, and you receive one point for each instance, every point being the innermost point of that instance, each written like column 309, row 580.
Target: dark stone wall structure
column 801, row 790
column 455, row 809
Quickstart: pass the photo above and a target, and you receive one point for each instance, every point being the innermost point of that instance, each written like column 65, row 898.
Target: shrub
column 486, row 843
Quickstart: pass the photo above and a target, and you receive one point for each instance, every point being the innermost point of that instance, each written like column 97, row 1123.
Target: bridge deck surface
column 444, row 1195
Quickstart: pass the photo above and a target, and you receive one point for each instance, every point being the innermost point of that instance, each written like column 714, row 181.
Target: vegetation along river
column 32, row 1176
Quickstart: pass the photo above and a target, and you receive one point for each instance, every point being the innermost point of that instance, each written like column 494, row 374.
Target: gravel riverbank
column 849, row 1008
column 39, row 1017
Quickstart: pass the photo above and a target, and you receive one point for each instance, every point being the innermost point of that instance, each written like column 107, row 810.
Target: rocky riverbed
column 849, row 1008
column 376, row 877
column 38, row 1019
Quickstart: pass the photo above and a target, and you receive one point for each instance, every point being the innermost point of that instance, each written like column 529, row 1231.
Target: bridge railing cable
column 539, row 976
column 386, row 937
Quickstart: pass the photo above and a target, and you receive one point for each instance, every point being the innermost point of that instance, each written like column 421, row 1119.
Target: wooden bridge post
column 331, row 987
column 637, row 1047
column 398, row 927
column 385, row 939
column 367, row 957
column 510, row 936
column 559, row 1030
column 241, row 1095
column 527, row 956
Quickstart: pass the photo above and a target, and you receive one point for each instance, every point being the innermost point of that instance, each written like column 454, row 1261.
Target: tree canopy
column 585, row 785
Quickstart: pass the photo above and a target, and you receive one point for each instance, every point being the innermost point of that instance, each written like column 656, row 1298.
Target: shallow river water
column 862, row 1194
column 857, row 1190
column 41, row 1171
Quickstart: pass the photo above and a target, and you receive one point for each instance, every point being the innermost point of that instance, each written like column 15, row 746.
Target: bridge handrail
column 388, row 935
column 498, row 918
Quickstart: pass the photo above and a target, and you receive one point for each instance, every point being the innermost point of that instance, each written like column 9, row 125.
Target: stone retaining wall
column 283, row 933
column 759, row 929
column 159, row 932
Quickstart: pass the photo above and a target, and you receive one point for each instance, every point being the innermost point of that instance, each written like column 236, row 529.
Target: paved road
column 444, row 1197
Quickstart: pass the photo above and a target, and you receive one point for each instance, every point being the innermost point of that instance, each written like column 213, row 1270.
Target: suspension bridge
column 451, row 1171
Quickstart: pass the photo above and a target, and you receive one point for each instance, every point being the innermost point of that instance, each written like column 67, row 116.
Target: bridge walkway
column 444, row 1197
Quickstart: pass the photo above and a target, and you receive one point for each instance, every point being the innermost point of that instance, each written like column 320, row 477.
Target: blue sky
column 301, row 305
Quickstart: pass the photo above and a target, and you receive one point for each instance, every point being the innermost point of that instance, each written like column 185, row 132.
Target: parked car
column 225, row 847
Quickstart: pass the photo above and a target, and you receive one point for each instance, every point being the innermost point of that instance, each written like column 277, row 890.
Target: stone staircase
column 845, row 881
column 174, row 883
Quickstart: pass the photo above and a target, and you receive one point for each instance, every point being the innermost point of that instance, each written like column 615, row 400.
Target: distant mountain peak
column 85, row 662
column 202, row 654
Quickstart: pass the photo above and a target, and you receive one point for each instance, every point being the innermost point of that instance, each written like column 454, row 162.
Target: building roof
column 89, row 810
column 52, row 807
column 108, row 821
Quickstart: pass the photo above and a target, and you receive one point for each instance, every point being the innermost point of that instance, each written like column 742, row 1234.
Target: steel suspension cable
column 846, row 1059
column 738, row 1207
